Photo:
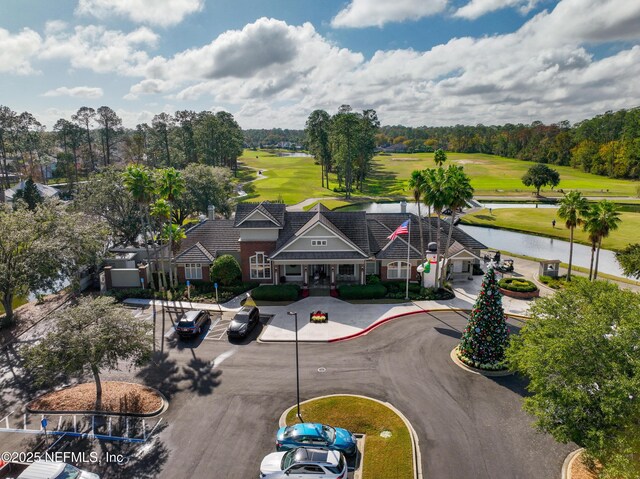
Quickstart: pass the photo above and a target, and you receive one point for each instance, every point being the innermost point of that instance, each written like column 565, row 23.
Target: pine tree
column 485, row 337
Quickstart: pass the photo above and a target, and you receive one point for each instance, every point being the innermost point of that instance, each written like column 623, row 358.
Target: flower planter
column 519, row 294
column 319, row 317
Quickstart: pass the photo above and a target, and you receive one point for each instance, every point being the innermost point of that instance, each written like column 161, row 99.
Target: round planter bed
column 118, row 398
column 518, row 288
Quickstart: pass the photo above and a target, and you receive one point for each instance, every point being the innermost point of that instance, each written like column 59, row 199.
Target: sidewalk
column 348, row 320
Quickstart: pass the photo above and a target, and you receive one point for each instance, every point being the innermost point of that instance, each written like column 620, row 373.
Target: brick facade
column 248, row 249
column 413, row 277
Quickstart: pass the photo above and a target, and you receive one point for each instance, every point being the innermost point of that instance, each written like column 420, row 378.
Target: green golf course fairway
column 538, row 221
column 294, row 179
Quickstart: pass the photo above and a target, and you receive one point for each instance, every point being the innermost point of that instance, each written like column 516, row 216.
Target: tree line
column 95, row 138
column 344, row 144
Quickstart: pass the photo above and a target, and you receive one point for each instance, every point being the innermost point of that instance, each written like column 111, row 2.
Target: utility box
column 550, row 267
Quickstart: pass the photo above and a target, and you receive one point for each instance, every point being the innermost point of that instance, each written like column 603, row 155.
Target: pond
column 542, row 247
column 394, row 207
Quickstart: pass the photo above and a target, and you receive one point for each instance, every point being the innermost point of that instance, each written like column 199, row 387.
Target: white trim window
column 398, row 270
column 318, row 242
column 346, row 272
column 260, row 266
column 192, row 271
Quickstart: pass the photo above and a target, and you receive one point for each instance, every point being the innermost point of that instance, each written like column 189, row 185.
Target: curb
column 480, row 372
column 162, row 409
column 380, row 322
column 566, row 465
column 415, row 443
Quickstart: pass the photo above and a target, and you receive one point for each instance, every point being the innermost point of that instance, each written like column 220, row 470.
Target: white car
column 304, row 463
column 55, row 470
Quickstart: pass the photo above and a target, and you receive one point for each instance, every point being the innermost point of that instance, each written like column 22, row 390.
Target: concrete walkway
column 348, row 320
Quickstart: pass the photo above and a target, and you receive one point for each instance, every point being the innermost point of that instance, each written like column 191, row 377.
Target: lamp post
column 295, row 315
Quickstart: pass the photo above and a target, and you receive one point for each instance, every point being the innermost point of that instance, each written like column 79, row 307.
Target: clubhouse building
column 319, row 247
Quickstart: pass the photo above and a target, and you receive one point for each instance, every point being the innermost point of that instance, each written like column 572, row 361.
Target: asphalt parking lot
column 226, row 398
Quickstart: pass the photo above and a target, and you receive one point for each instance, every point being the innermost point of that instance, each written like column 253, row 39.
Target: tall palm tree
column 573, row 209
column 161, row 211
column 141, row 184
column 171, row 185
column 436, row 195
column 602, row 218
column 458, row 192
column 416, row 183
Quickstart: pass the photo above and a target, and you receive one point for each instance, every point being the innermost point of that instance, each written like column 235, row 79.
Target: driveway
column 226, row 398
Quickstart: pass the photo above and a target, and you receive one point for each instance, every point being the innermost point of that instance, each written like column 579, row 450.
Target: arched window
column 398, row 270
column 260, row 266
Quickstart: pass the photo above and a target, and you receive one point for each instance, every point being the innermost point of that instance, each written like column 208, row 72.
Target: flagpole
column 406, row 296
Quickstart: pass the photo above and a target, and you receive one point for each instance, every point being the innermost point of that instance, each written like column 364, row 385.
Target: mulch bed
column 580, row 471
column 117, row 397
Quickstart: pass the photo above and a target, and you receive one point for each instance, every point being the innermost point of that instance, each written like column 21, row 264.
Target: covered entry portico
column 319, row 272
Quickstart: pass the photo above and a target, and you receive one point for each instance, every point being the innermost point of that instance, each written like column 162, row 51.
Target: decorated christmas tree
column 485, row 337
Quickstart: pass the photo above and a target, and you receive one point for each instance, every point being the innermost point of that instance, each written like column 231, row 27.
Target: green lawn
column 296, row 179
column 383, row 457
column 538, row 221
column 18, row 301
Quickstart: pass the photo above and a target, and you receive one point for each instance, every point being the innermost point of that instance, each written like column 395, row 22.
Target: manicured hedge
column 518, row 285
column 279, row 292
column 555, row 283
column 362, row 291
column 122, row 294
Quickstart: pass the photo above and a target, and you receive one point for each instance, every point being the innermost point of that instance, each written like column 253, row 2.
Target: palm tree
column 573, row 208
column 171, row 184
column 161, row 211
column 436, row 195
column 141, row 184
column 416, row 183
column 458, row 192
column 602, row 218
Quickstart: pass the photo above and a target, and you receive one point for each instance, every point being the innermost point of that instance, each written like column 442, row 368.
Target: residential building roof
column 209, row 238
column 271, row 214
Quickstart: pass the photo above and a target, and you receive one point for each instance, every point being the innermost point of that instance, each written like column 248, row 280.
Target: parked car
column 191, row 323
column 243, row 322
column 55, row 470
column 316, row 435
column 304, row 463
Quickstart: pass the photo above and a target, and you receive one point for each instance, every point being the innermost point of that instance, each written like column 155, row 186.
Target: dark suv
column 243, row 322
column 191, row 323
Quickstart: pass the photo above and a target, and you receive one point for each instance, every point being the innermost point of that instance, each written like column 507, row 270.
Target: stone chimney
column 403, row 207
column 211, row 213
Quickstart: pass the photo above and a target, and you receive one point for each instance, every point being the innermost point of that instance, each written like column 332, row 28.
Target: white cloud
column 96, row 48
column 76, row 92
column 18, row 50
column 476, row 8
column 155, row 12
column 369, row 13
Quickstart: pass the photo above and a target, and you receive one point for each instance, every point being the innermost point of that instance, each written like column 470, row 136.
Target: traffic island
column 391, row 444
column 483, row 372
column 118, row 399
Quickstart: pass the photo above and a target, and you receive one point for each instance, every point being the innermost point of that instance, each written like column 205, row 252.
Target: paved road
column 226, row 400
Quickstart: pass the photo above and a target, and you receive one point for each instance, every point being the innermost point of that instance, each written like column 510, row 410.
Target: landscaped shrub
column 140, row 293
column 373, row 279
column 362, row 291
column 518, row 285
column 555, row 283
column 226, row 270
column 279, row 292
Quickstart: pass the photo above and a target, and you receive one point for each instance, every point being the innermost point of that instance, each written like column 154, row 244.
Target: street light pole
column 298, row 415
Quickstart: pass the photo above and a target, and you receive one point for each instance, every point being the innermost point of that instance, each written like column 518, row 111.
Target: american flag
column 403, row 229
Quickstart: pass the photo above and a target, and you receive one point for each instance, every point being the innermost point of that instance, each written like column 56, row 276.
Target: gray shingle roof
column 213, row 236
column 195, row 254
column 274, row 211
column 319, row 255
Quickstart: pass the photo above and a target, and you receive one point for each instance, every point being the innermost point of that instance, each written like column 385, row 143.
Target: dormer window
column 318, row 242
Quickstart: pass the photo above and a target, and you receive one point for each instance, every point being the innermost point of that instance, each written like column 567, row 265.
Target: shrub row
column 518, row 285
column 555, row 283
column 279, row 292
column 362, row 291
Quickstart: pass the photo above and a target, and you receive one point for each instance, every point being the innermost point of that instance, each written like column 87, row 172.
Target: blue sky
column 271, row 62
